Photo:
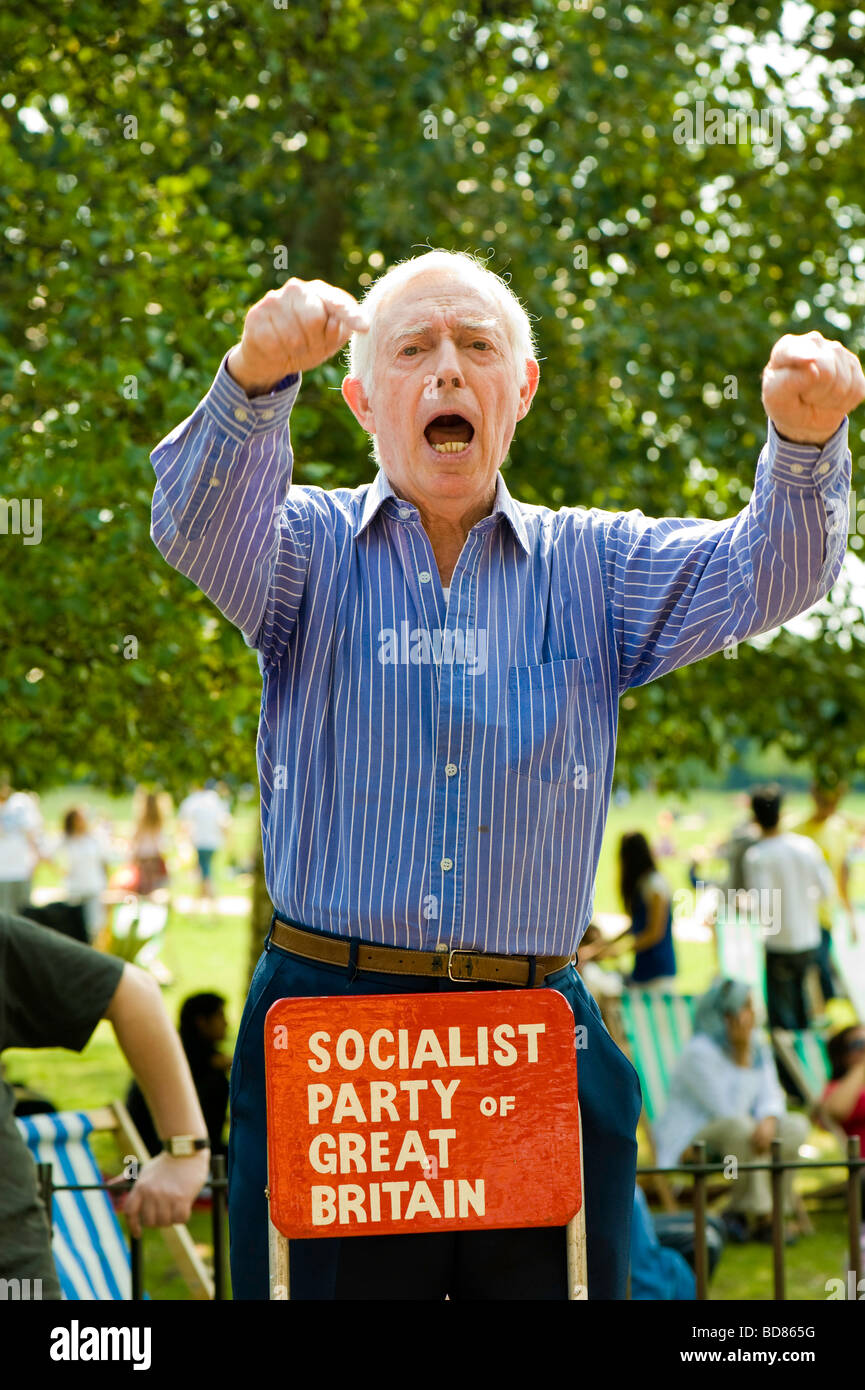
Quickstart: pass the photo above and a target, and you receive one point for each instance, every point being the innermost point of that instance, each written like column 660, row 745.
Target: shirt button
column 214, row 481
column 267, row 414
column 241, row 414
column 404, row 513
column 451, row 770
column 447, row 864
column 824, row 468
column 424, row 576
column 796, row 468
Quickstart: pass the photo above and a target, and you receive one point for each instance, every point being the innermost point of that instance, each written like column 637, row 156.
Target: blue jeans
column 523, row 1264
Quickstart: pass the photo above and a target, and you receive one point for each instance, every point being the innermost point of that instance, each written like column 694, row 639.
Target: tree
column 162, row 166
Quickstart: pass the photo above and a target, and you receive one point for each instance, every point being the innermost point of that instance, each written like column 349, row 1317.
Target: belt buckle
column 458, row 951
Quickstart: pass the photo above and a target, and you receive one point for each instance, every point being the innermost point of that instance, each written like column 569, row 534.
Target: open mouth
column 449, row 434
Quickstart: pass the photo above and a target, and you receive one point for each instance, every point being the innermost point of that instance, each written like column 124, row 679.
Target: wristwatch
column 184, row 1145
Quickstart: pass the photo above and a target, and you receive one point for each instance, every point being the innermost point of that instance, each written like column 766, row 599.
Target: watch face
column 180, row 1145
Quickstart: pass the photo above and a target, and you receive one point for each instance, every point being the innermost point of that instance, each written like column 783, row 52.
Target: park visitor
column 787, row 881
column 724, row 1089
column 53, row 992
column 834, row 837
column 84, row 855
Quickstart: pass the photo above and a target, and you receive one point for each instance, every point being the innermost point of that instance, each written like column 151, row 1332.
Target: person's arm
column 841, row 1099
column 703, row 1077
column 222, row 511
column 166, row 1186
column 844, row 883
column 680, row 589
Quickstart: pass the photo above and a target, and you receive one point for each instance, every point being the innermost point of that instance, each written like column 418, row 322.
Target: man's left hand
column 809, row 385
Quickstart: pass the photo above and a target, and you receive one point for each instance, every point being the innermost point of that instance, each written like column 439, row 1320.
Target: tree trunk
column 260, row 913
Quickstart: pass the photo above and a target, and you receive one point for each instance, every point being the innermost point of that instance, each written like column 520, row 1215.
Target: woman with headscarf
column 724, row 1089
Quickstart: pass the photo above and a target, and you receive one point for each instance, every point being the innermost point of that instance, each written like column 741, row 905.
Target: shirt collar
column 380, row 494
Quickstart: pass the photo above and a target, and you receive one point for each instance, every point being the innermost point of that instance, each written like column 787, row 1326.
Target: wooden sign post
column 423, row 1112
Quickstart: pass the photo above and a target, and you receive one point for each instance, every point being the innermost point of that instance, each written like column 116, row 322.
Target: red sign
column 422, row 1112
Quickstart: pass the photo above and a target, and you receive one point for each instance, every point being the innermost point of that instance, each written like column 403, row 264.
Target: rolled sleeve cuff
column 807, row 465
column 238, row 416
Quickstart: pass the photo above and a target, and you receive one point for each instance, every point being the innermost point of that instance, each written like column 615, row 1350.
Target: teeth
column 452, row 446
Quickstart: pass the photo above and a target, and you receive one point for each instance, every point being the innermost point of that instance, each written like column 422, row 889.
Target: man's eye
column 479, row 343
column 412, row 348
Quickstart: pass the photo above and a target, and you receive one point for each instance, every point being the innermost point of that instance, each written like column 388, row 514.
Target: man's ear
column 529, row 387
column 356, row 399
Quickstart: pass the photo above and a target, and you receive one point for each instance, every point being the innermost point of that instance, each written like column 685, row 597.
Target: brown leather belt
column 459, row 964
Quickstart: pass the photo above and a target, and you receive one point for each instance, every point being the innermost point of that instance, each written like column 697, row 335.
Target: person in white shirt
column 205, row 819
column 20, row 827
column 787, row 880
column 84, row 856
column 724, row 1090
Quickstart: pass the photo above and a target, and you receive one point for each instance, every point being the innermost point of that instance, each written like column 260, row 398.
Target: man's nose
column 447, row 367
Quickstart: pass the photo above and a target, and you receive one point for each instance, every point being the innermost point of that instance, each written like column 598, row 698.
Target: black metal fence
column 699, row 1172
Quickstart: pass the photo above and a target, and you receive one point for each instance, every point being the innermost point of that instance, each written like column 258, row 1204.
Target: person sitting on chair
column 724, row 1090
column 844, row 1096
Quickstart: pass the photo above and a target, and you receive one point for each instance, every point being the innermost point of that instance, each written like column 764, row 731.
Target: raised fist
column 809, row 385
column 293, row 329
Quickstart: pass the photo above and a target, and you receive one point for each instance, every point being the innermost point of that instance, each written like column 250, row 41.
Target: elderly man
column 441, row 669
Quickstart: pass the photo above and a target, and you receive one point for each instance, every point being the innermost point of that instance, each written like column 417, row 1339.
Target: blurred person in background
column 203, row 1026
column 788, row 880
column 647, row 899
column 84, row 856
column 744, row 834
column 204, row 817
column 20, row 845
column 724, row 1090
column 149, row 848
column 844, row 1096
column 834, row 837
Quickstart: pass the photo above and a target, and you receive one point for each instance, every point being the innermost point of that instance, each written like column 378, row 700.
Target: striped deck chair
column 90, row 1252
column 804, row 1054
column 656, row 1027
column 90, row 1249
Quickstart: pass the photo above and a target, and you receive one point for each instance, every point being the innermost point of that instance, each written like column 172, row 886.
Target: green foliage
column 187, row 158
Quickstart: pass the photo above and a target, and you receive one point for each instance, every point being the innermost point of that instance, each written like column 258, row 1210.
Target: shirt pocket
column 550, row 721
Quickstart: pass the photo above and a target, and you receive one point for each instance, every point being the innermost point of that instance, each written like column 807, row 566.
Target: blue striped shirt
column 437, row 773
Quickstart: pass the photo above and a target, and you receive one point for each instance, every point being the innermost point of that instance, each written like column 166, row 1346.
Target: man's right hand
column 293, row 329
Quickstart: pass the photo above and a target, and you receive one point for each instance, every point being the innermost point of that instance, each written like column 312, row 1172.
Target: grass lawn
column 209, row 952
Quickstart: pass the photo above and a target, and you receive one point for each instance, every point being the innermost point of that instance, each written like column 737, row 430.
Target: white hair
column 471, row 269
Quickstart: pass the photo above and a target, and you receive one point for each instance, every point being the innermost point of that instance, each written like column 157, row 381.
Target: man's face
column 446, row 394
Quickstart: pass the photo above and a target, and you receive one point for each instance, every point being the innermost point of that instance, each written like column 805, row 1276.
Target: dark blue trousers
column 523, row 1264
